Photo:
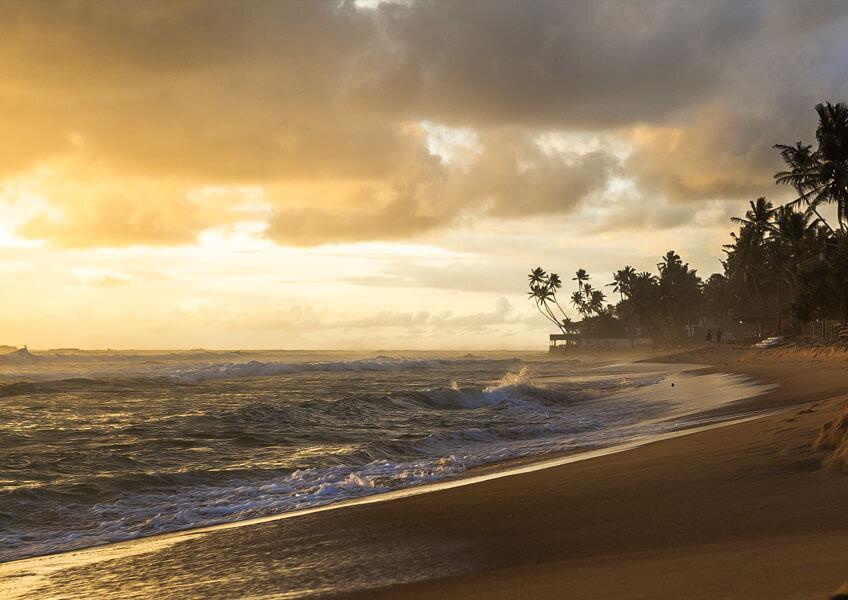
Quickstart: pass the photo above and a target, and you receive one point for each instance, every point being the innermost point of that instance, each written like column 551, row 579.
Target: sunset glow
column 380, row 174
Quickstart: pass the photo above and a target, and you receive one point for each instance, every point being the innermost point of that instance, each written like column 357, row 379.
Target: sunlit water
column 103, row 447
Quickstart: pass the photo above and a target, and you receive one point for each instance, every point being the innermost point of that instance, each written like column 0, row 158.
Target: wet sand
column 743, row 511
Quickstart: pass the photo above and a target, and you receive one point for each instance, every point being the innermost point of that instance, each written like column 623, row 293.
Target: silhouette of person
column 718, row 335
column 709, row 338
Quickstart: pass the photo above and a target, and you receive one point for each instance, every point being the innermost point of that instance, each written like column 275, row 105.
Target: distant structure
column 605, row 335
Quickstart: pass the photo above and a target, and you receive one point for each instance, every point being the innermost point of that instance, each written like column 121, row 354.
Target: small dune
column 833, row 437
column 841, row 593
column 799, row 352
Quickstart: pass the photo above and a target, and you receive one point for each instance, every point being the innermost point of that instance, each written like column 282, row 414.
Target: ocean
column 99, row 447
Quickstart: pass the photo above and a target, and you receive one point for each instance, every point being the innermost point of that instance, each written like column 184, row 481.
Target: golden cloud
column 323, row 97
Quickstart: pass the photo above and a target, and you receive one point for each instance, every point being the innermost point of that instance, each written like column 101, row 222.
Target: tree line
column 786, row 261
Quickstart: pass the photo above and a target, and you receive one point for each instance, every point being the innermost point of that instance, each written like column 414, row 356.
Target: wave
column 65, row 385
column 20, row 357
column 24, row 356
column 45, row 373
column 132, row 461
column 254, row 368
column 513, row 387
column 155, row 512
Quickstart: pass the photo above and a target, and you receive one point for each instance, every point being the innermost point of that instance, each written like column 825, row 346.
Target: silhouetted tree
column 821, row 176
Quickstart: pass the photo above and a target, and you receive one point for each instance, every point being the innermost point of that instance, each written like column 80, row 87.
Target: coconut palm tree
column 680, row 293
column 793, row 240
column 622, row 281
column 555, row 283
column 578, row 303
column 758, row 217
column 581, row 278
column 821, row 176
column 543, row 288
column 541, row 293
column 537, row 276
column 596, row 302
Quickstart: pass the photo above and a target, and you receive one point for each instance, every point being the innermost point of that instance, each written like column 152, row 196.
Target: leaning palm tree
column 555, row 283
column 821, row 176
column 541, row 295
column 543, row 289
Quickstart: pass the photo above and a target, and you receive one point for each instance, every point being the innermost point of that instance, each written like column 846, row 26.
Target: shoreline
column 504, row 528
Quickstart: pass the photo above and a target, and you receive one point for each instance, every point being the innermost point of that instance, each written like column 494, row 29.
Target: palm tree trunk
column 551, row 314
column 547, row 316
column 565, row 316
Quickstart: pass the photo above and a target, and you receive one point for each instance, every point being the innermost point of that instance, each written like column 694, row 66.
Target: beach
column 741, row 511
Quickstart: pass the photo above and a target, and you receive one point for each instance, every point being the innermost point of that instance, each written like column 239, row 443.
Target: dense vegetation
column 787, row 262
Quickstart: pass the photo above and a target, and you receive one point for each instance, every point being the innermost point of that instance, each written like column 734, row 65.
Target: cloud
column 553, row 64
column 97, row 209
column 509, row 177
column 327, row 98
column 268, row 90
column 466, row 278
column 704, row 159
column 307, row 319
column 503, row 313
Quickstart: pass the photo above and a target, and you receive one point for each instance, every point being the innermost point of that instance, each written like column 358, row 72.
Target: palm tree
column 622, row 280
column 680, row 293
column 792, row 228
column 578, row 303
column 821, row 176
column 746, row 265
column 758, row 216
column 543, row 288
column 555, row 283
column 596, row 302
column 541, row 293
column 581, row 278
column 537, row 276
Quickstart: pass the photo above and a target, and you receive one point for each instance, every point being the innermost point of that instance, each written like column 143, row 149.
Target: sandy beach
column 743, row 511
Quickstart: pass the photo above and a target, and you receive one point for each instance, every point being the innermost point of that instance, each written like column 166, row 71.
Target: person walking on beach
column 709, row 338
column 718, row 335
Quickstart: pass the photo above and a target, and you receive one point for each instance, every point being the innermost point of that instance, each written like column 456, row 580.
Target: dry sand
column 744, row 511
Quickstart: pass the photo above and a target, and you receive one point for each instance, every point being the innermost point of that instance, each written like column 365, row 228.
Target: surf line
column 155, row 542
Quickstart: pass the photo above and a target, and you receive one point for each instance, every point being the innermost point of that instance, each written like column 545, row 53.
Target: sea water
column 98, row 447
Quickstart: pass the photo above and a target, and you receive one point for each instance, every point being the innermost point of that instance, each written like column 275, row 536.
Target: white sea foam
column 153, row 513
column 514, row 386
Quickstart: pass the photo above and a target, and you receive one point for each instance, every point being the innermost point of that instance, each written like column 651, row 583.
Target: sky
column 357, row 175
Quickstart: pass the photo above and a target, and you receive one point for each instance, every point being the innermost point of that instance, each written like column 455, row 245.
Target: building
column 600, row 334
